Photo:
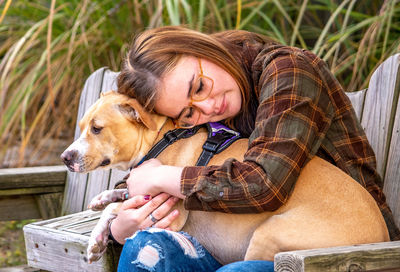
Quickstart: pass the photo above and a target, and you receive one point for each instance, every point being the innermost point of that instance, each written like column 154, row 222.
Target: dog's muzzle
column 69, row 157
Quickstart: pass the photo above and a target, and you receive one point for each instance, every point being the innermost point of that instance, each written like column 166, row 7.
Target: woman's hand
column 152, row 178
column 134, row 215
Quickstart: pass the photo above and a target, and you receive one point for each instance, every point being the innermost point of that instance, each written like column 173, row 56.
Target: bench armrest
column 31, row 192
column 367, row 257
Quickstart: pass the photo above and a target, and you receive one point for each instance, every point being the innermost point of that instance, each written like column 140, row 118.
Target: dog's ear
column 134, row 112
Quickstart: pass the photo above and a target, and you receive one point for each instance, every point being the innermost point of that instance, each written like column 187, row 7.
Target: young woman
column 284, row 99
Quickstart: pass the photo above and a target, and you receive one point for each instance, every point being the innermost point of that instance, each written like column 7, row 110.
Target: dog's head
column 115, row 131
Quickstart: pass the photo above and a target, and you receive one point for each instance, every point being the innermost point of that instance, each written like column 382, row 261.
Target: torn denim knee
column 157, row 249
column 188, row 244
column 149, row 256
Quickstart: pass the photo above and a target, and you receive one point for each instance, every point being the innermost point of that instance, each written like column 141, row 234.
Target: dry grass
column 48, row 49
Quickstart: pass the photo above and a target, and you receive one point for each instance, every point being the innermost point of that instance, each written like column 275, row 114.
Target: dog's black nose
column 68, row 156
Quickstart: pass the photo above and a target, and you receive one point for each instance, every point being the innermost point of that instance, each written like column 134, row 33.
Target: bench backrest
column 377, row 107
column 81, row 188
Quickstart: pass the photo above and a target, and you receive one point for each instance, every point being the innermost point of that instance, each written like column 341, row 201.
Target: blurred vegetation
column 48, row 48
column 12, row 245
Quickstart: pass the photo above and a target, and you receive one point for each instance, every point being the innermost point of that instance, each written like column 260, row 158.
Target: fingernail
column 147, row 197
column 175, row 212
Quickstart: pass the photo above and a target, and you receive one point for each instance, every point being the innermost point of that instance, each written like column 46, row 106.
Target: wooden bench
column 31, row 192
column 59, row 244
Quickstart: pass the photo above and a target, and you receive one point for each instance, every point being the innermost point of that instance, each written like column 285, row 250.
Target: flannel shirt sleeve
column 293, row 116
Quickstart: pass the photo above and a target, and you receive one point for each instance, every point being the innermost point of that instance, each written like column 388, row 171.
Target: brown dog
column 327, row 207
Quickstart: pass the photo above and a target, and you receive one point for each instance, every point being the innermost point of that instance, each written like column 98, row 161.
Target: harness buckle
column 211, row 147
column 214, row 142
column 170, row 136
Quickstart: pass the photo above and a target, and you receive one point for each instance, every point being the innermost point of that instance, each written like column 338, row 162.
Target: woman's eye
column 96, row 130
column 189, row 113
column 200, row 88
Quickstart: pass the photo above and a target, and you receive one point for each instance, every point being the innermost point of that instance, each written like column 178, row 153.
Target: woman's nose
column 205, row 106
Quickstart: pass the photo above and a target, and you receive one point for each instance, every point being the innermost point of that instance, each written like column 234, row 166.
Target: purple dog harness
column 219, row 138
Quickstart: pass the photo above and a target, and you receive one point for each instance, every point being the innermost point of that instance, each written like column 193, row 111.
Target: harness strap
column 169, row 138
column 219, row 138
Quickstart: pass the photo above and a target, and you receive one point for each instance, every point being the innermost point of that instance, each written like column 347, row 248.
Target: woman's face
column 223, row 101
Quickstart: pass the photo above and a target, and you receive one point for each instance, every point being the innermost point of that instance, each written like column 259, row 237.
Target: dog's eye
column 96, row 130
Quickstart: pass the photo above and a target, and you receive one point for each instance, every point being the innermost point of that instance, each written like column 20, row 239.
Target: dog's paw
column 99, row 237
column 97, row 246
column 101, row 201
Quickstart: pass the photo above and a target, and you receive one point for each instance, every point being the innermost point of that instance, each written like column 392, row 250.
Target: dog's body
column 326, row 208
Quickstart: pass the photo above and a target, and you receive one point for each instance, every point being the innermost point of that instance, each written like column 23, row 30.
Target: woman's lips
column 222, row 107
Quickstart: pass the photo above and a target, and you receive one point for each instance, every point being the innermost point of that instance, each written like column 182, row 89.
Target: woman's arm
column 294, row 114
column 295, row 111
column 152, row 177
column 134, row 215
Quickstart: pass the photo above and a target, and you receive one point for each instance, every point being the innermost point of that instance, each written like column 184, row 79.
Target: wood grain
column 368, row 257
column 60, row 244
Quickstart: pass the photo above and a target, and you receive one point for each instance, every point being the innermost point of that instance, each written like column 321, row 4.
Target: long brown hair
column 155, row 52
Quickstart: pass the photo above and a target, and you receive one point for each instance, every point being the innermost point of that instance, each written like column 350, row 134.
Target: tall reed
column 48, row 48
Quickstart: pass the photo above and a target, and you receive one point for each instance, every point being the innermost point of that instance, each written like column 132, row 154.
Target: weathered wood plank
column 69, row 220
column 392, row 175
column 30, row 191
column 18, row 208
column 109, row 81
column 49, row 205
column 357, row 100
column 97, row 182
column 377, row 119
column 35, row 206
column 64, row 249
column 116, row 175
column 28, row 177
column 20, row 268
column 369, row 257
column 76, row 182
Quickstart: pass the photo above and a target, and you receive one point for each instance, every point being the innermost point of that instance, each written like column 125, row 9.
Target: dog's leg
column 100, row 201
column 99, row 237
column 263, row 243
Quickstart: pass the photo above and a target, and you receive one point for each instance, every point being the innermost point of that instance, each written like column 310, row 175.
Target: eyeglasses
column 201, row 89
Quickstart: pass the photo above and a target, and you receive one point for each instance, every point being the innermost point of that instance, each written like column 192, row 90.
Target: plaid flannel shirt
column 303, row 111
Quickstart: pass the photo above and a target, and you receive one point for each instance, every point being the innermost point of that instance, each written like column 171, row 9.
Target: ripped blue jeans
column 161, row 250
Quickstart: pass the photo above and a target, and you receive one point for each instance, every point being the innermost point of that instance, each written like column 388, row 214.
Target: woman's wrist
column 171, row 180
column 113, row 234
column 110, row 235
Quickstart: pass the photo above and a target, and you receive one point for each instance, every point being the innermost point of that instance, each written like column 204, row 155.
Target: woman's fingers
column 156, row 201
column 160, row 213
column 141, row 207
column 163, row 209
column 135, row 202
column 165, row 222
